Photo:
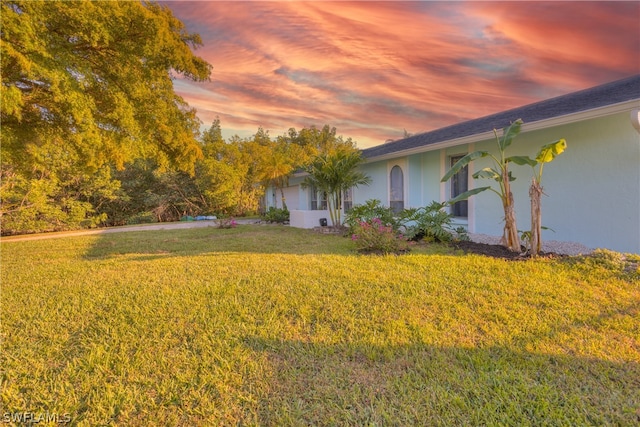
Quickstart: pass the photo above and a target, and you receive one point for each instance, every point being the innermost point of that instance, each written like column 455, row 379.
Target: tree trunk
column 284, row 203
column 535, row 194
column 510, row 238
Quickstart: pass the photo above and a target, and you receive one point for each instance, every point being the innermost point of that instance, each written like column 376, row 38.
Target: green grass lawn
column 269, row 325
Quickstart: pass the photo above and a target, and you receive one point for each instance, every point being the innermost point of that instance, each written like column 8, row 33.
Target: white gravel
column 555, row 246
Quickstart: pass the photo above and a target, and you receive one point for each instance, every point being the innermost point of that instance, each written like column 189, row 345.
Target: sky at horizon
column 376, row 69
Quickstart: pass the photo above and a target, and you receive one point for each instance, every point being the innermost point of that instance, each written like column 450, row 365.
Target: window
column 347, row 200
column 318, row 199
column 459, row 184
column 396, row 196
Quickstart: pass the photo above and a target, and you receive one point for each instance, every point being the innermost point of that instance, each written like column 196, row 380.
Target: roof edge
column 526, row 127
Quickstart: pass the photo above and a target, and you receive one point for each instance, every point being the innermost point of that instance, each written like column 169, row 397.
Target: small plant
column 374, row 236
column 276, row 215
column 525, row 237
column 226, row 223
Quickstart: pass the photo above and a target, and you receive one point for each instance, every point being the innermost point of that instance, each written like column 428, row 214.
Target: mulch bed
column 498, row 251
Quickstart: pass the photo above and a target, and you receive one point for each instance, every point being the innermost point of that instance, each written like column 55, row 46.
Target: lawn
column 269, row 325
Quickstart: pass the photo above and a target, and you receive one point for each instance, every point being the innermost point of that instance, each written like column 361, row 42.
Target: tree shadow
column 264, row 239
column 368, row 384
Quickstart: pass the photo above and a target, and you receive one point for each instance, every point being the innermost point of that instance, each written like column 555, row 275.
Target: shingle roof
column 600, row 96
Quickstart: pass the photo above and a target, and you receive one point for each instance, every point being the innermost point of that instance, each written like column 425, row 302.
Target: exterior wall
column 413, row 182
column 307, row 218
column 379, row 187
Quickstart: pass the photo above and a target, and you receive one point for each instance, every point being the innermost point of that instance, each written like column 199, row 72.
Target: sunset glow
column 375, row 69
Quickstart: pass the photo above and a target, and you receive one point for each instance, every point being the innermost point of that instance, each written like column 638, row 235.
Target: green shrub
column 431, row 223
column 276, row 215
column 368, row 211
column 142, row 218
column 374, row 236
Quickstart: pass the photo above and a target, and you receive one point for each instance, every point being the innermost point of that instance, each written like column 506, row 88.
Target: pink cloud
column 373, row 69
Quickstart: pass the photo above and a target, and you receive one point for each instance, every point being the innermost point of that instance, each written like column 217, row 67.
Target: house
column 592, row 190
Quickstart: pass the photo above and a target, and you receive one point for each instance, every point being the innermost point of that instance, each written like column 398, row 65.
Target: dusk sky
column 374, row 69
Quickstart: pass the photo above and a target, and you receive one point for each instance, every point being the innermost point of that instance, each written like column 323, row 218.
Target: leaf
column 550, row 151
column 462, row 163
column 522, row 160
column 487, row 173
column 509, row 133
column 467, row 194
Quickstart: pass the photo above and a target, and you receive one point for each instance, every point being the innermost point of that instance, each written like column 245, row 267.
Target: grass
column 276, row 326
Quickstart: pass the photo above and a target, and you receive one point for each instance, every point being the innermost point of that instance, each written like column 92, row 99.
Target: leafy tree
column 277, row 169
column 150, row 193
column 220, row 174
column 499, row 173
column 334, row 173
column 90, row 84
column 57, row 201
column 96, row 76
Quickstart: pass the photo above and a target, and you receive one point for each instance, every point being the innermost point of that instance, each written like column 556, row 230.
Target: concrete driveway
column 145, row 227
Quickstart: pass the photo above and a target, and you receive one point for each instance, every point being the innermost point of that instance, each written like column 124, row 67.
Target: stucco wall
column 379, row 184
column 307, row 218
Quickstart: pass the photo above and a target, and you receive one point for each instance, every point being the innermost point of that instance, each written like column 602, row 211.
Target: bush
column 276, row 215
column 431, row 223
column 142, row 218
column 371, row 209
column 375, row 237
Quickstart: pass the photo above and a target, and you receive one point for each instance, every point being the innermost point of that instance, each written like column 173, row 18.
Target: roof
column 596, row 97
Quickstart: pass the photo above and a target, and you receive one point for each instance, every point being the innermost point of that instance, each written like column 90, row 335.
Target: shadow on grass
column 267, row 239
column 346, row 384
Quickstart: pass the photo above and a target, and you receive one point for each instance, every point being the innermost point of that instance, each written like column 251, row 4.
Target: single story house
column 592, row 190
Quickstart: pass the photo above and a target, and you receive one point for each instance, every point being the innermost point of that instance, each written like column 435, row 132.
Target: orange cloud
column 373, row 69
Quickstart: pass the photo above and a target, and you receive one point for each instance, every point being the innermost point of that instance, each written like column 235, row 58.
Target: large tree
column 90, row 83
column 96, row 77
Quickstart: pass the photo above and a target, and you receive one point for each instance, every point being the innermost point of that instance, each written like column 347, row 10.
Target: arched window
column 396, row 196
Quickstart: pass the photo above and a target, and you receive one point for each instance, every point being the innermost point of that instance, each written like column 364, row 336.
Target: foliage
column 334, row 173
column 277, row 215
column 63, row 200
column 499, row 173
column 96, row 78
column 87, row 86
column 146, row 188
column 371, row 209
column 432, row 223
column 142, row 218
column 281, row 326
column 373, row 236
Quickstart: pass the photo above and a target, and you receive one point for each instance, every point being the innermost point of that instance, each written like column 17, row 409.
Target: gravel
column 555, row 246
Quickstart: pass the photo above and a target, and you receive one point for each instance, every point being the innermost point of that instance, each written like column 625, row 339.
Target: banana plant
column 546, row 154
column 499, row 173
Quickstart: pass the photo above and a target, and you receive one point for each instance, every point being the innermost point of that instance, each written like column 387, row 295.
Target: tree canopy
column 94, row 80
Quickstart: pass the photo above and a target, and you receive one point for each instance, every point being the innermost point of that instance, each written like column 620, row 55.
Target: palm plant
column 334, row 173
column 276, row 171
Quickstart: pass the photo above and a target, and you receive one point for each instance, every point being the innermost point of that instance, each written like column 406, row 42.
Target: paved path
column 157, row 226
